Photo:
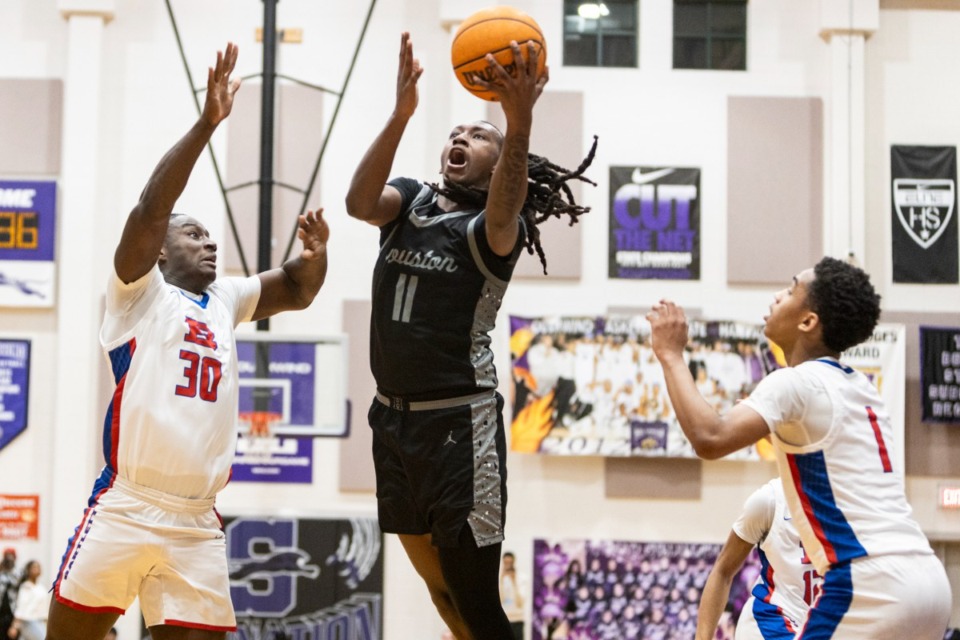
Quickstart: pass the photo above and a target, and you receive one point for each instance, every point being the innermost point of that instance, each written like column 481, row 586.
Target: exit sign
column 949, row 497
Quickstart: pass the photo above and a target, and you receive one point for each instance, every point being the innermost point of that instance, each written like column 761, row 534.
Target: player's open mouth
column 457, row 159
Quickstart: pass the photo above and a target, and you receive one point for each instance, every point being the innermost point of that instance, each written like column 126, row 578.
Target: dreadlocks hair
column 548, row 196
column 848, row 306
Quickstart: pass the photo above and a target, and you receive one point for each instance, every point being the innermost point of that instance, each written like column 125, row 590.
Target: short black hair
column 848, row 306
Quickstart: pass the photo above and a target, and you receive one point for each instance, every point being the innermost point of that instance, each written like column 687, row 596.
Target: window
column 710, row 34
column 600, row 34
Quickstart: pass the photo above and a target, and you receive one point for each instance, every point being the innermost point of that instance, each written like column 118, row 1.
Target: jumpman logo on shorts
column 450, row 439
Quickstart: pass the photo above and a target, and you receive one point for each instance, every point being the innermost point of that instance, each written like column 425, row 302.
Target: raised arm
column 294, row 285
column 711, row 434
column 717, row 590
column 369, row 198
column 508, row 186
column 146, row 225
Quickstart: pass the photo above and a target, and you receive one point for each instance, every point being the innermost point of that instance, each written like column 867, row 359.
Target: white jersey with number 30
column 171, row 422
column 832, row 435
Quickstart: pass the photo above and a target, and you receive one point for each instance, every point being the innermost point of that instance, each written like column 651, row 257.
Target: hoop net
column 258, row 423
column 256, row 432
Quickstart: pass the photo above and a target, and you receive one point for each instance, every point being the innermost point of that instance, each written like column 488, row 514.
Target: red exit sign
column 949, row 497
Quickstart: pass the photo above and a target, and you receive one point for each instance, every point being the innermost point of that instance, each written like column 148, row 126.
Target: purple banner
column 266, row 459
column 654, row 223
column 14, row 387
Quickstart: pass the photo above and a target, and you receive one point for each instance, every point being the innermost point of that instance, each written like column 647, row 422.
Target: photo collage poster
column 598, row 590
column 591, row 385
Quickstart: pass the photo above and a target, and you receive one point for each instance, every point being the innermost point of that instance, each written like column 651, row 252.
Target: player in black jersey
column 446, row 256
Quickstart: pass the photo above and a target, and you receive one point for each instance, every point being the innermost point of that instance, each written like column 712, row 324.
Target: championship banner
column 305, row 578
column 592, row 386
column 924, row 219
column 27, row 243
column 654, row 223
column 14, row 388
column 586, row 589
column 940, row 374
column 19, row 516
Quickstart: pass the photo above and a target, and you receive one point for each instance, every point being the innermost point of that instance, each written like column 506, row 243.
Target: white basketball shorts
column 891, row 597
column 169, row 551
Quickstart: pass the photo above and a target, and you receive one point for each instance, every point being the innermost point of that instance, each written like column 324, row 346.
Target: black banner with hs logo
column 924, row 216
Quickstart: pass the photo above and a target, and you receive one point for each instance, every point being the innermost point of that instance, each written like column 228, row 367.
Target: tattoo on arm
column 514, row 165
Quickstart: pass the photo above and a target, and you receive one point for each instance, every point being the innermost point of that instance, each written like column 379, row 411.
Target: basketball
column 490, row 31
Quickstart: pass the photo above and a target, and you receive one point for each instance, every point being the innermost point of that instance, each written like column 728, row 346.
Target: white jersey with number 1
column 832, row 435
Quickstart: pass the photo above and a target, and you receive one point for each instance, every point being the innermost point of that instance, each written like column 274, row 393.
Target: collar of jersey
column 201, row 300
column 430, row 218
column 833, row 362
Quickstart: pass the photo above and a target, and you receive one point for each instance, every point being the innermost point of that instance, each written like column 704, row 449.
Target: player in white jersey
column 151, row 529
column 832, row 436
column 787, row 583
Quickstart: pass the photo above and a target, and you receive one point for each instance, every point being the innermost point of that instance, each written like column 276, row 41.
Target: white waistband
column 163, row 500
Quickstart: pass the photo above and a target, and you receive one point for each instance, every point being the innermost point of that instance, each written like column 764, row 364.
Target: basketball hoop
column 256, row 433
column 257, row 423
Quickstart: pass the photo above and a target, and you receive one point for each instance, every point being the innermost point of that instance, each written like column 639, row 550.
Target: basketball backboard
column 300, row 381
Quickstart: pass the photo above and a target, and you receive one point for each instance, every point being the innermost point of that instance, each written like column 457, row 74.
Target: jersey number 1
column 884, row 456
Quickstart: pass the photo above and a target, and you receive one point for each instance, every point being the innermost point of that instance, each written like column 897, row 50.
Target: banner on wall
column 592, row 385
column 587, row 589
column 19, row 516
column 654, row 223
column 924, row 216
column 27, row 243
column 273, row 459
column 883, row 359
column 940, row 374
column 305, row 578
column 14, row 388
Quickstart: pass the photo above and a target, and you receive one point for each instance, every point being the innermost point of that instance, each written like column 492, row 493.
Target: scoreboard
column 27, row 243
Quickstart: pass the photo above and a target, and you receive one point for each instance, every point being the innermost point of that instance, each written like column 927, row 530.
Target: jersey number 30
column 203, row 376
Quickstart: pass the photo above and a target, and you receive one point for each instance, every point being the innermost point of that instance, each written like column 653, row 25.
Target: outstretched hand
column 220, row 87
column 408, row 73
column 519, row 92
column 313, row 233
column 668, row 330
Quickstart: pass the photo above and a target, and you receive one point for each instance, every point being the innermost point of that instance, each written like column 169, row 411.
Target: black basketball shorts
column 441, row 465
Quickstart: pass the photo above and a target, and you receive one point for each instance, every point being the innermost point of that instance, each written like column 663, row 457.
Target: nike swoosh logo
column 787, row 518
column 639, row 177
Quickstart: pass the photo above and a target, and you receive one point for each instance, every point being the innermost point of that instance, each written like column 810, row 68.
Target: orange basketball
column 490, row 31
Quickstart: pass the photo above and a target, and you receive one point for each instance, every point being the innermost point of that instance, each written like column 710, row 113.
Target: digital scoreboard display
column 27, row 243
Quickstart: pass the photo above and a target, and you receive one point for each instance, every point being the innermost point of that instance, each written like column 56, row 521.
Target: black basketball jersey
column 437, row 287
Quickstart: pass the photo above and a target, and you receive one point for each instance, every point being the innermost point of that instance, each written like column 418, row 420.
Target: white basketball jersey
column 787, row 578
column 171, row 424
column 832, row 435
